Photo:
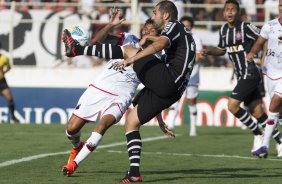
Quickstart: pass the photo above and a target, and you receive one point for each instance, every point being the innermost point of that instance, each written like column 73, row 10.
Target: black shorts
column 247, row 91
column 160, row 91
column 3, row 84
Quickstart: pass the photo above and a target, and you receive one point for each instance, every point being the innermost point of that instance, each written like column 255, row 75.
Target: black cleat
column 15, row 120
column 71, row 45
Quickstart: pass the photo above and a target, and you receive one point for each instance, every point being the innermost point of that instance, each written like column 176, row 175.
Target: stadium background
column 46, row 88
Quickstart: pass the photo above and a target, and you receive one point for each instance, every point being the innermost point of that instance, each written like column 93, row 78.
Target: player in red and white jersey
column 271, row 33
column 110, row 94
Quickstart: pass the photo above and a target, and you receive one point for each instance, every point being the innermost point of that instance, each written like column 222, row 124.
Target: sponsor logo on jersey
column 235, row 48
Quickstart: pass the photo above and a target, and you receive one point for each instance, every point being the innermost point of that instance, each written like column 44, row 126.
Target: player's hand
column 122, row 64
column 116, row 17
column 203, row 52
column 142, row 41
column 166, row 130
column 250, row 57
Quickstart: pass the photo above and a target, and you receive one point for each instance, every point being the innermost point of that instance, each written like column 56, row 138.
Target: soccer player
column 110, row 94
column 4, row 88
column 164, row 81
column 192, row 91
column 237, row 38
column 271, row 33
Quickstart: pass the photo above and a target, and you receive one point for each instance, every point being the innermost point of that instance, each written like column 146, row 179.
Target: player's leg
column 73, row 133
column 192, row 94
column 172, row 115
column 243, row 92
column 107, row 51
column 108, row 118
column 11, row 105
column 257, row 111
column 134, row 146
column 275, row 91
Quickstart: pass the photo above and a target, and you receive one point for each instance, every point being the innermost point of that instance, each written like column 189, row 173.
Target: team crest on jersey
column 166, row 28
column 238, row 35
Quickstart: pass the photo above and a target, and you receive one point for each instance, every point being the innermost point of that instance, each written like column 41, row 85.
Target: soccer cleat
column 261, row 152
column 279, row 150
column 257, row 143
column 71, row 45
column 69, row 169
column 74, row 152
column 131, row 179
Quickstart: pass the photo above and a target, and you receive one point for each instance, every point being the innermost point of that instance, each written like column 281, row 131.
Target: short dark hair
column 168, row 7
column 149, row 21
column 189, row 19
column 233, row 2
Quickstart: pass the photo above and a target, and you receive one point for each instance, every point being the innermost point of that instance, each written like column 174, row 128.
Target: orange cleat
column 69, row 169
column 131, row 179
column 74, row 152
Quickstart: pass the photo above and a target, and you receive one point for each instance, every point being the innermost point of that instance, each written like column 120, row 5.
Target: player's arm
column 256, row 48
column 115, row 20
column 159, row 44
column 263, row 54
column 164, row 127
column 7, row 66
column 215, row 51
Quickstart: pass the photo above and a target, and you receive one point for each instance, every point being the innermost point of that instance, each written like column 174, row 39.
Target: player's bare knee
column 232, row 107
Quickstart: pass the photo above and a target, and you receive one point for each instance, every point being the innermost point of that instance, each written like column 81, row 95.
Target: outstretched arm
column 164, row 127
column 215, row 51
column 115, row 20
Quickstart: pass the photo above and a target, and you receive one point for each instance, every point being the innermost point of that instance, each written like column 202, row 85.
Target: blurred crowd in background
column 253, row 13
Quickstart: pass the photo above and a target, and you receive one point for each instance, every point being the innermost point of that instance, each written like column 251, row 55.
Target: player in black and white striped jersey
column 237, row 38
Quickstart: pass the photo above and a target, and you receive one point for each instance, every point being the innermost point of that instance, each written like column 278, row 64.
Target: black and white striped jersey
column 238, row 41
column 180, row 54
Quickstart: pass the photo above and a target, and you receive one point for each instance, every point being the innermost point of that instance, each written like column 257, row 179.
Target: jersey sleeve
column 252, row 31
column 221, row 43
column 265, row 31
column 171, row 32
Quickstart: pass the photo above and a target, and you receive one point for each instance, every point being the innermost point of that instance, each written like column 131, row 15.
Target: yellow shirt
column 4, row 61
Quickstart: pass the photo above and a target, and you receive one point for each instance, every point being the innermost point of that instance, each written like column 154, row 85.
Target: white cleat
column 257, row 142
column 279, row 150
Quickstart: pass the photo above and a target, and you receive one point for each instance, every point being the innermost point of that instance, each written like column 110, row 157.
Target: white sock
column 90, row 145
column 270, row 126
column 193, row 118
column 172, row 114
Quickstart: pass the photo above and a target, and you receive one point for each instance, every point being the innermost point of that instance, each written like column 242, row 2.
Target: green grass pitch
column 218, row 155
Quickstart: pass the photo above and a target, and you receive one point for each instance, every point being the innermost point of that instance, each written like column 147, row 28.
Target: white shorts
column 95, row 101
column 274, row 87
column 192, row 92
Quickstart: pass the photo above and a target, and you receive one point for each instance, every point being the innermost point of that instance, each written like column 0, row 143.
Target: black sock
column 246, row 119
column 11, row 106
column 107, row 51
column 134, row 145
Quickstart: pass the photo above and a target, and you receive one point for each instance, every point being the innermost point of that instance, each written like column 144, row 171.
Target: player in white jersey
column 271, row 32
column 110, row 95
column 192, row 90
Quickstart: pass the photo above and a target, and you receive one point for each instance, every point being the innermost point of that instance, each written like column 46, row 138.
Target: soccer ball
column 79, row 34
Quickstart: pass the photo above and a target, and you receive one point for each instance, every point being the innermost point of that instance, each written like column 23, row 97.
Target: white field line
column 198, row 155
column 34, row 157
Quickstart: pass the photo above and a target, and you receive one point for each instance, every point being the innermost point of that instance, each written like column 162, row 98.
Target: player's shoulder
column 273, row 22
column 170, row 25
column 129, row 38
